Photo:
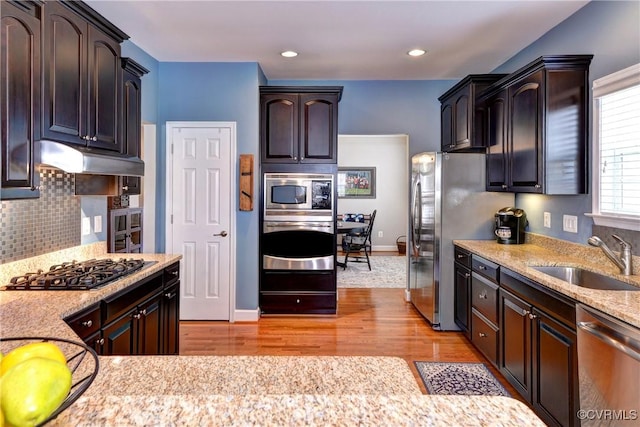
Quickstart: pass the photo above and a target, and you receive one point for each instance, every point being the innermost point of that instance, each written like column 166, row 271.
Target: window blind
column 619, row 147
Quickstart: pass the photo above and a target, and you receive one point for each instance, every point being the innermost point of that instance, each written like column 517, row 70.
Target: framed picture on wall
column 356, row 183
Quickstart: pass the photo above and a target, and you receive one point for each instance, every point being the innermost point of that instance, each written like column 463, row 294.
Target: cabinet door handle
column 482, row 335
column 460, row 256
column 526, row 313
column 482, row 267
column 537, row 186
column 87, row 323
column 100, row 341
column 175, row 273
column 297, row 301
column 504, row 186
column 136, row 316
column 467, row 275
column 144, row 312
column 170, row 295
column 532, row 316
column 94, row 138
column 125, row 188
column 483, row 295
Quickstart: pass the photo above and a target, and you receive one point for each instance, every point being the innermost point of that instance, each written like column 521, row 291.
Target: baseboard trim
column 246, row 315
column 377, row 248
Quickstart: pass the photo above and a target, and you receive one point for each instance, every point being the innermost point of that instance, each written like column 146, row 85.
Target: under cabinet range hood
column 88, row 161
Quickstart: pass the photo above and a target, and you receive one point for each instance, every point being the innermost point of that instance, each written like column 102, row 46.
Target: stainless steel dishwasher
column 608, row 368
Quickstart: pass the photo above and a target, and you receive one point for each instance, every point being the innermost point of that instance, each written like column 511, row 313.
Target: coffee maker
column 510, row 225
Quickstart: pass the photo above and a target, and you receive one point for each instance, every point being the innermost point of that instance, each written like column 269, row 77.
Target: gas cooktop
column 90, row 274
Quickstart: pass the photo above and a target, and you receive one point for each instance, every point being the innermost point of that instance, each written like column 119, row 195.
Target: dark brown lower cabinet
column 141, row 319
column 298, row 292
column 538, row 352
column 462, row 291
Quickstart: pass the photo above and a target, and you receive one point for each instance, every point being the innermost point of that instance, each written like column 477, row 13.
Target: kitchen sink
column 585, row 278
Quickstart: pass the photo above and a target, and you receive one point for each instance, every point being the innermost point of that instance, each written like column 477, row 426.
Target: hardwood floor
column 370, row 322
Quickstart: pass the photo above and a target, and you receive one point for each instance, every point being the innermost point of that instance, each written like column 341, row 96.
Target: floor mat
column 386, row 272
column 470, row 379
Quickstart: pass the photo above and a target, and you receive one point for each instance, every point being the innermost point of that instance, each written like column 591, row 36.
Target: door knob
column 223, row 234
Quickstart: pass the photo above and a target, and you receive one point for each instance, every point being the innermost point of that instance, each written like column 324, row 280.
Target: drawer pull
column 467, row 275
column 297, row 301
column 482, row 267
column 460, row 256
column 175, row 273
column 100, row 341
column 483, row 295
column 87, row 323
column 482, row 335
column 170, row 295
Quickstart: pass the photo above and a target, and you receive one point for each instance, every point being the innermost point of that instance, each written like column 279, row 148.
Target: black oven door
column 298, row 246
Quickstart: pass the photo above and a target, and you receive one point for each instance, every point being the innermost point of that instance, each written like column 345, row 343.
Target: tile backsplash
column 33, row 227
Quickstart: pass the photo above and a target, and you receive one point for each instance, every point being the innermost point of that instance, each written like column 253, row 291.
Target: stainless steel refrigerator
column 448, row 201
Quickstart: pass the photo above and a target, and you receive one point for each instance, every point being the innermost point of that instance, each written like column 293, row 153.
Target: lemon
column 47, row 350
column 31, row 390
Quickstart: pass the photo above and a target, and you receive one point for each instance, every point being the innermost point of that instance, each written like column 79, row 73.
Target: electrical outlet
column 86, row 226
column 97, row 224
column 547, row 219
column 570, row 223
column 380, row 234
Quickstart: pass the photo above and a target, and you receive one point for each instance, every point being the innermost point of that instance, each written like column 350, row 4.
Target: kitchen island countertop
column 237, row 390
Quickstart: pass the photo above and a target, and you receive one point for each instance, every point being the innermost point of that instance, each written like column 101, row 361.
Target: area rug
column 470, row 379
column 386, row 272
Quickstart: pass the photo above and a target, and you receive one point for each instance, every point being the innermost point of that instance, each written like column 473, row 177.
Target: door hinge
column 171, row 218
column 171, row 149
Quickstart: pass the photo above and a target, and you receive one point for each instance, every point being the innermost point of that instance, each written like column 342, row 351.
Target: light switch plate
column 570, row 223
column 97, row 224
column 547, row 219
column 86, row 226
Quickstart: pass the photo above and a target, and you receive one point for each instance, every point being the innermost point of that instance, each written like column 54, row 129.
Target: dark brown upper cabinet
column 461, row 120
column 131, row 119
column 82, row 77
column 20, row 99
column 537, row 127
column 299, row 124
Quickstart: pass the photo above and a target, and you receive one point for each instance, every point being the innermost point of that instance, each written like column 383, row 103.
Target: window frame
column 613, row 82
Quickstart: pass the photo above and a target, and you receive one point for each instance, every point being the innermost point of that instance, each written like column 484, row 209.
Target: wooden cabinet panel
column 462, row 297
column 298, row 303
column 20, row 100
column 104, row 88
column 525, row 133
column 537, row 127
column 82, row 78
column 555, row 361
column 515, row 342
column 462, row 117
column 119, row 336
column 484, row 297
column 149, row 333
column 299, row 124
column 496, row 110
column 170, row 319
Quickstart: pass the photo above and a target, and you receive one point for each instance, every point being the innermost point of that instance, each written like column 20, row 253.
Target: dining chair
column 355, row 243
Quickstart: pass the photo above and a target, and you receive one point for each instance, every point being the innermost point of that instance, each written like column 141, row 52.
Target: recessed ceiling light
column 416, row 52
column 289, row 54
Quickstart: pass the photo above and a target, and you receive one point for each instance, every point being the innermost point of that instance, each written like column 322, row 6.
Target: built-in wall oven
column 298, row 222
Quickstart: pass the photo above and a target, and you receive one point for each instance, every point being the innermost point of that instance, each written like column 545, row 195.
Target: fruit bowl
column 81, row 360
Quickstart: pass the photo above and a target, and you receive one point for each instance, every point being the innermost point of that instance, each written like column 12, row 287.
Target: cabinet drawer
column 298, row 303
column 485, row 267
column 125, row 300
column 484, row 336
column 171, row 274
column 484, row 297
column 462, row 256
column 298, row 282
column 85, row 322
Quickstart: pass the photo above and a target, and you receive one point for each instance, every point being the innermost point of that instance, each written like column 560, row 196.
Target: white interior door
column 200, row 174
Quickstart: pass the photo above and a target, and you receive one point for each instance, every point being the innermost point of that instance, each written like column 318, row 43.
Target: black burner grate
column 75, row 275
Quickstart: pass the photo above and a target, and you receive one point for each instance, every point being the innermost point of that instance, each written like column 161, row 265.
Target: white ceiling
column 339, row 40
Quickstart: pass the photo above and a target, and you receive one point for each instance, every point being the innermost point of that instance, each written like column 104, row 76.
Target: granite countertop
column 543, row 251
column 235, row 390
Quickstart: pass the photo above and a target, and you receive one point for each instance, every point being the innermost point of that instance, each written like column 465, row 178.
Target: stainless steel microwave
column 298, row 196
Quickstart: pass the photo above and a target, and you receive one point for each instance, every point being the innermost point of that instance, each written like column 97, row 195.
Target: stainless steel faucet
column 623, row 262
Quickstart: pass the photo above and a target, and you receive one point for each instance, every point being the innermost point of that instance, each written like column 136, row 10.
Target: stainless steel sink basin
column 585, row 278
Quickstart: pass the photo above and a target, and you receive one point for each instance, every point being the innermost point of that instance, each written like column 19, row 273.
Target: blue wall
column 215, row 92
column 610, row 30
